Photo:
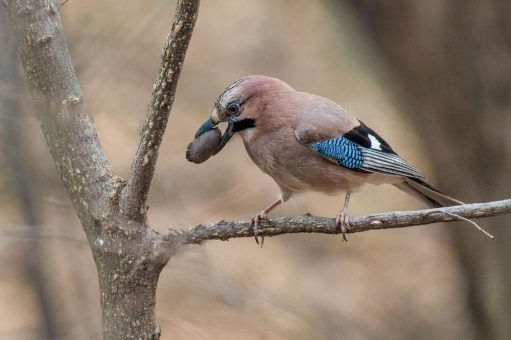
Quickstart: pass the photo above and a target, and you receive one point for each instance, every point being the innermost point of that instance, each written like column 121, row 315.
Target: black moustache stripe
column 243, row 124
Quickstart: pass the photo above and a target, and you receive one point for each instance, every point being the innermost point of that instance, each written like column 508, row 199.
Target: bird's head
column 242, row 105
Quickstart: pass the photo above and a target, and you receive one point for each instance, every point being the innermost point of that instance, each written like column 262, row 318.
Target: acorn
column 204, row 146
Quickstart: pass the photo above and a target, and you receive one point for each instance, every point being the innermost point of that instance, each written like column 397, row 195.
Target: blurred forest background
column 432, row 77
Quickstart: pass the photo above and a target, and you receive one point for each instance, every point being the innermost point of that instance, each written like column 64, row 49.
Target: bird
column 306, row 142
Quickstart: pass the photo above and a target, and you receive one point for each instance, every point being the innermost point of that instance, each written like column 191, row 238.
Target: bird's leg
column 262, row 215
column 342, row 218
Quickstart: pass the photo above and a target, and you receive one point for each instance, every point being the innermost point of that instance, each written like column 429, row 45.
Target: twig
column 225, row 230
column 142, row 169
column 471, row 222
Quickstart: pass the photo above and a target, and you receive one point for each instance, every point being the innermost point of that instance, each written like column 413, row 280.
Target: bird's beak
column 229, row 132
column 210, row 124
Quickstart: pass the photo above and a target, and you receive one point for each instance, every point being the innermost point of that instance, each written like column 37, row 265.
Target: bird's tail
column 426, row 193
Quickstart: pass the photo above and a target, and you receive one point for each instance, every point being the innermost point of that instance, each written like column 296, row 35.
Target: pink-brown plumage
column 287, row 120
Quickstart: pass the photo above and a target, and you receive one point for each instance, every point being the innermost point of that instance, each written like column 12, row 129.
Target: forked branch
column 225, row 230
column 162, row 98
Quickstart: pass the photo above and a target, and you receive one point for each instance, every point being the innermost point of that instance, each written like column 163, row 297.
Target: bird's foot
column 256, row 222
column 343, row 220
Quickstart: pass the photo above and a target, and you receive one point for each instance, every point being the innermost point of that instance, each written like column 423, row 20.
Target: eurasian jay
column 309, row 143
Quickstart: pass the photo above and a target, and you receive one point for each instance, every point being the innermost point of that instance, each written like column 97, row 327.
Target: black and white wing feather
column 362, row 149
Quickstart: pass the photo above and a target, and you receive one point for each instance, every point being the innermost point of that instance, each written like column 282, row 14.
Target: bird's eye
column 233, row 108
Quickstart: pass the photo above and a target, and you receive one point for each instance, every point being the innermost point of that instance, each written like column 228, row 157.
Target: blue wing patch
column 341, row 150
column 355, row 157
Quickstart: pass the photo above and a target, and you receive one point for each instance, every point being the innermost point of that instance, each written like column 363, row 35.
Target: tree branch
column 225, row 230
column 142, row 169
column 69, row 129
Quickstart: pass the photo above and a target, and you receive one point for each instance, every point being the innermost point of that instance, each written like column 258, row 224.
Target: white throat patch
column 247, row 134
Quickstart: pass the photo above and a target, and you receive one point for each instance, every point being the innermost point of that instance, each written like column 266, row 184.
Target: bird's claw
column 255, row 226
column 343, row 220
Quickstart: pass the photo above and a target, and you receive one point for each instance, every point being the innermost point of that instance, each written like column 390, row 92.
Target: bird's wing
column 359, row 149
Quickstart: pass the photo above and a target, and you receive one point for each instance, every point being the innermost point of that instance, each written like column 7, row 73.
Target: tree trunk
column 128, row 275
column 129, row 255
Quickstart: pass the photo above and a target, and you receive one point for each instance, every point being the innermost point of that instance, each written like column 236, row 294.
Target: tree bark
column 164, row 89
